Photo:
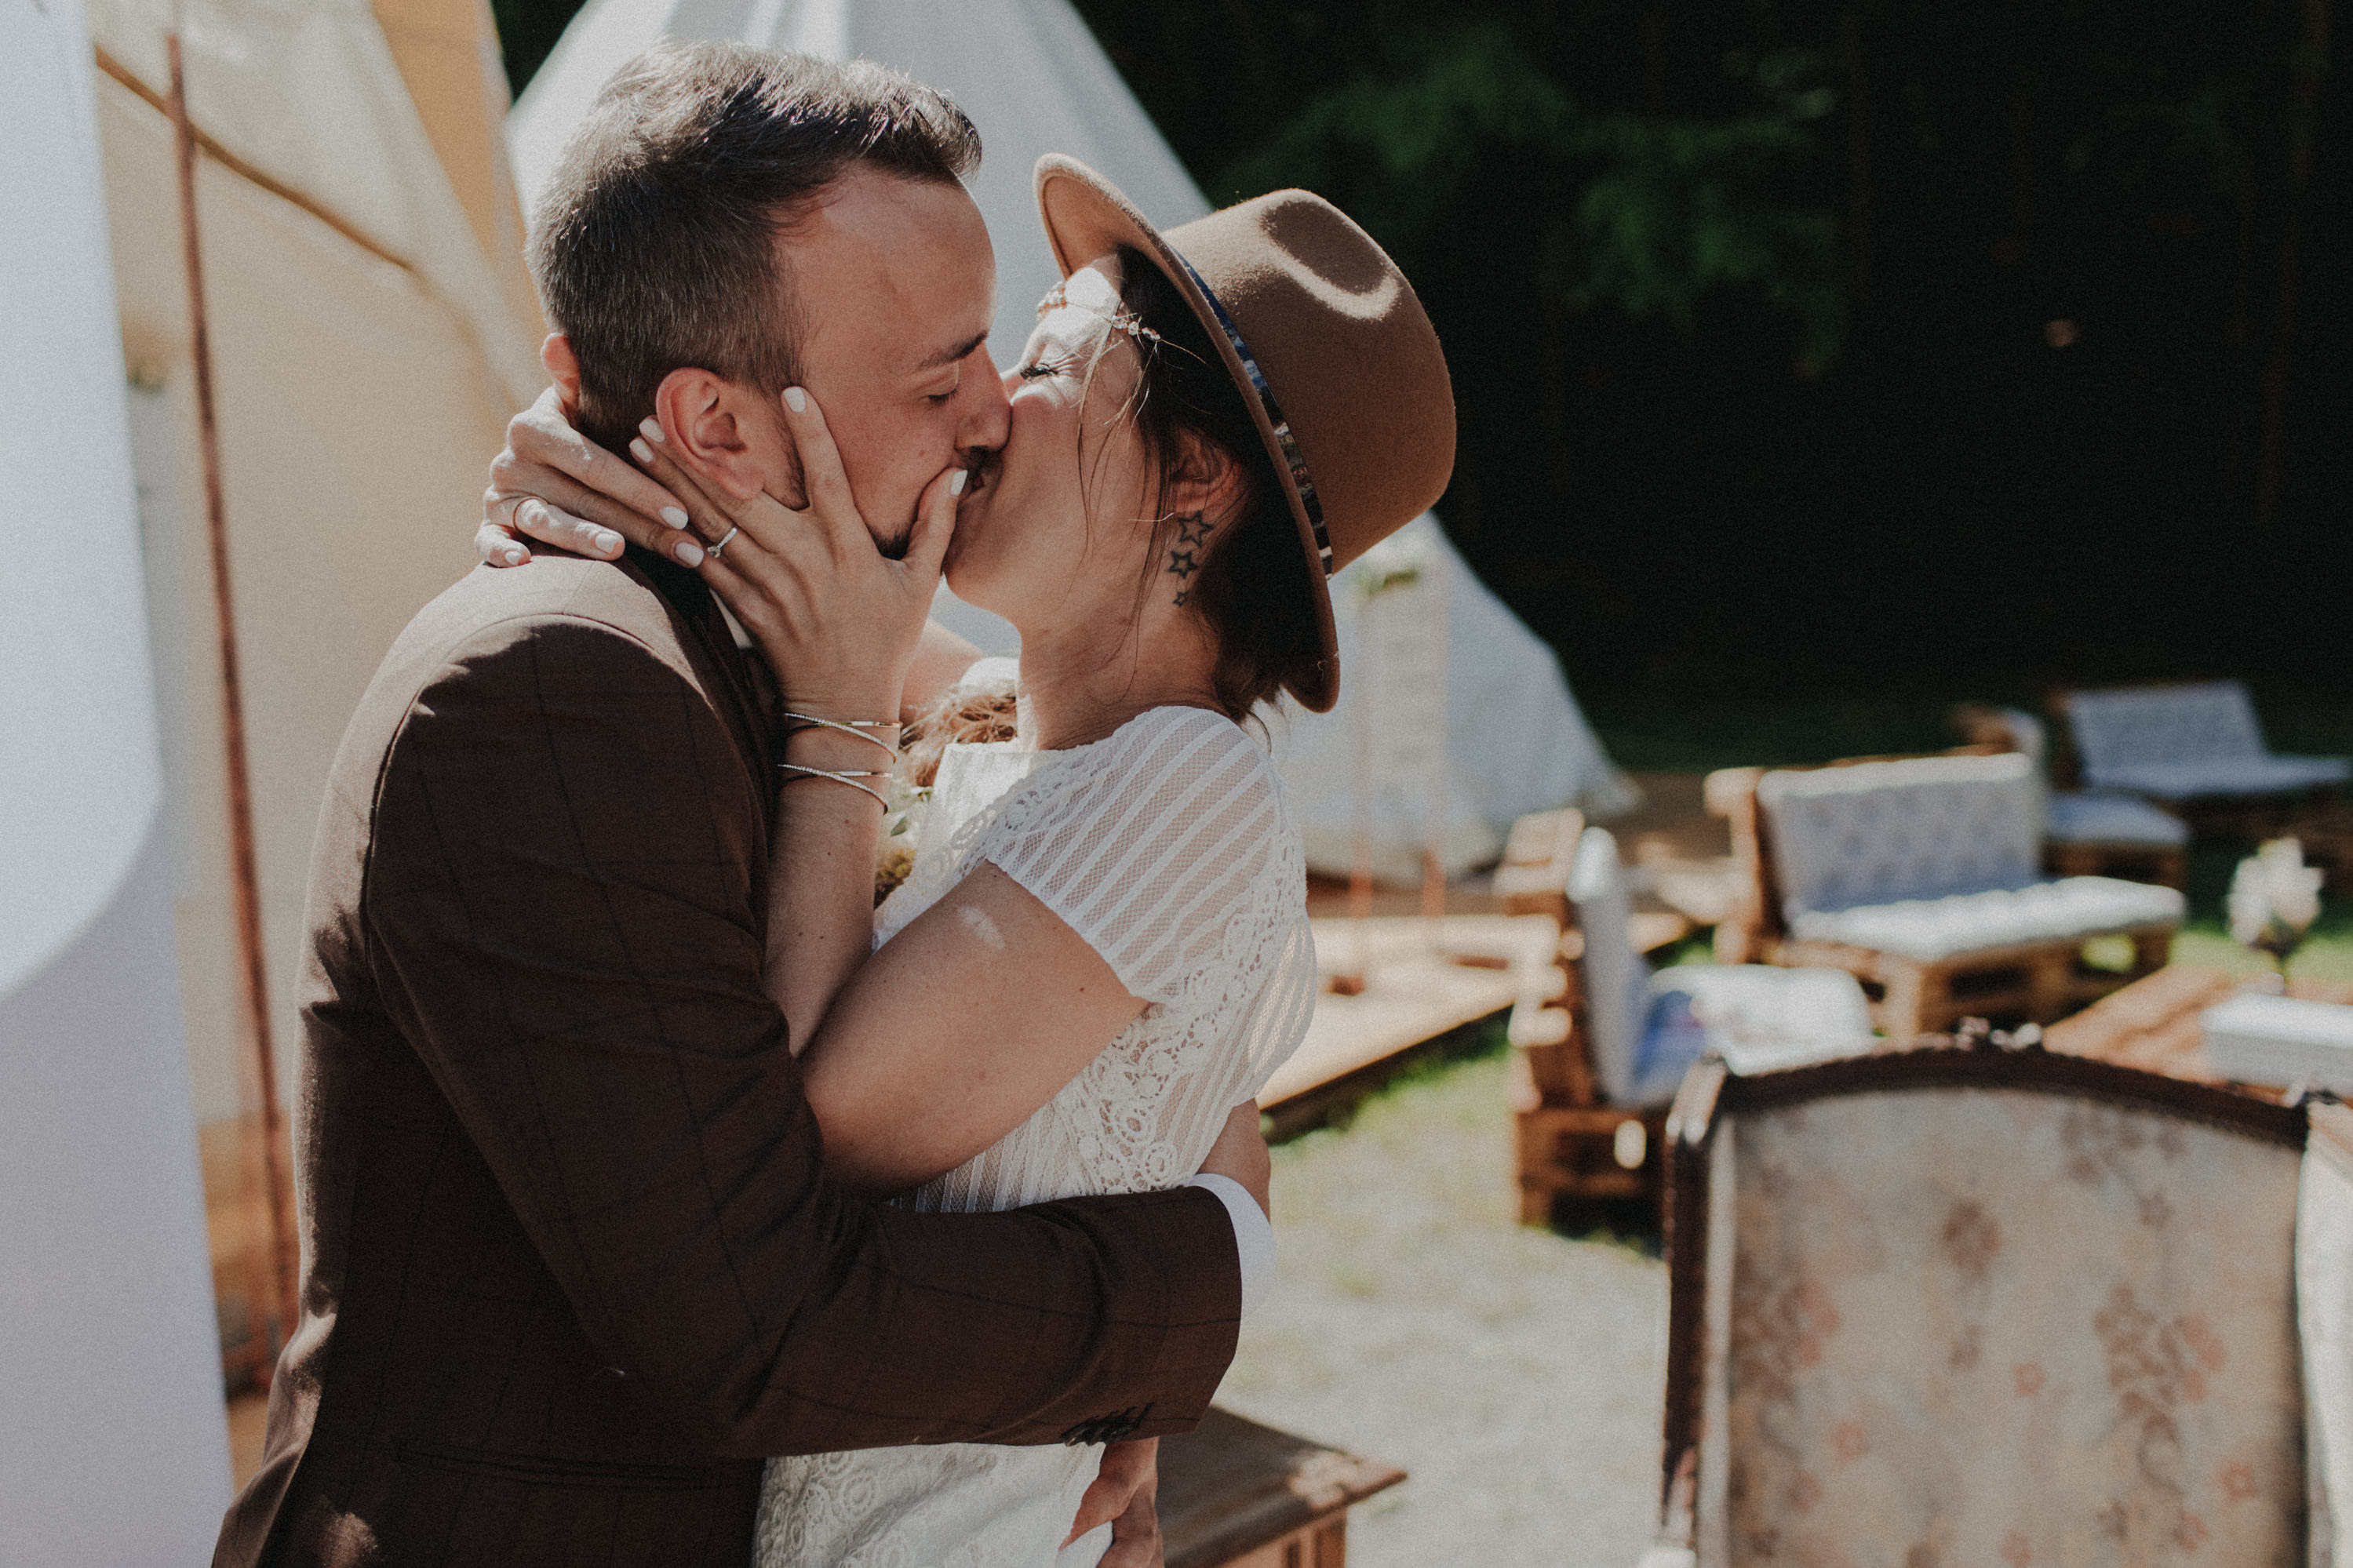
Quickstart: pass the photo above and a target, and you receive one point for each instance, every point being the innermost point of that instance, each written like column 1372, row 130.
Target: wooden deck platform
column 1423, row 981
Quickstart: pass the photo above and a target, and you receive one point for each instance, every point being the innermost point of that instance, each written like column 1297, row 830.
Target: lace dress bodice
column 1167, row 847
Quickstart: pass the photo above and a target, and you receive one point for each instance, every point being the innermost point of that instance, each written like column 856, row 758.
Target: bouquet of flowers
column 2274, row 898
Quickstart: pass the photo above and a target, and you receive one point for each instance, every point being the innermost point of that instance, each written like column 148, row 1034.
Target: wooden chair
column 2198, row 748
column 1920, row 876
column 1597, row 1056
column 1984, row 1307
column 1234, row 1494
column 2086, row 833
column 1571, row 1143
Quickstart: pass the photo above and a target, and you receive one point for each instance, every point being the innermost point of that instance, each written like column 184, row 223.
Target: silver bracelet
column 857, row 727
column 850, row 778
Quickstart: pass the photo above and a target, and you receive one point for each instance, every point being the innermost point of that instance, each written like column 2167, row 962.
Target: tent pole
column 279, row 1306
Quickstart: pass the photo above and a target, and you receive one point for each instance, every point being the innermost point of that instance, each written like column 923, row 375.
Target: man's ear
column 564, row 369
column 1207, row 480
column 711, row 430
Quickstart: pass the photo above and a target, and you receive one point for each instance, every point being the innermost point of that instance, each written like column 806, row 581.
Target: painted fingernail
column 511, row 555
column 674, row 516
column 651, row 428
column 957, row 479
column 688, row 552
column 640, row 451
column 608, row 542
column 796, row 399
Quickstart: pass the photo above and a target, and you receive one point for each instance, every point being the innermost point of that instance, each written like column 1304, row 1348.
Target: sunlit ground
column 1514, row 1373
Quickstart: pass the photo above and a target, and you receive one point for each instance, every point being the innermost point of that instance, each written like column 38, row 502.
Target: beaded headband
column 1120, row 318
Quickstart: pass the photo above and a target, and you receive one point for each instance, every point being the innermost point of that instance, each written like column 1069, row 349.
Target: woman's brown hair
column 1251, row 587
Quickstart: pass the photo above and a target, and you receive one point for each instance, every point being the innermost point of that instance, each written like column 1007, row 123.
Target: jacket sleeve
column 562, row 905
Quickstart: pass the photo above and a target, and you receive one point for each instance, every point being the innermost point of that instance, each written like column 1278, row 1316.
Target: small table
column 2152, row 1024
column 1234, row 1494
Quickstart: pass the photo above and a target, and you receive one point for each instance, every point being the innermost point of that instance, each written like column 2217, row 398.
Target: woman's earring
column 1185, row 555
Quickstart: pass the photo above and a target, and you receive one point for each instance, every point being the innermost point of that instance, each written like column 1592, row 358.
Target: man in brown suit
column 571, row 1265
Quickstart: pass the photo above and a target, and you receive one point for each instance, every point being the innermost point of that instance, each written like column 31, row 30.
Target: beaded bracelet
column 850, row 778
column 857, row 727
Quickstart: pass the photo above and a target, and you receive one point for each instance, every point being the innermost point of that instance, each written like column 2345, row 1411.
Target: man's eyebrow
column 952, row 355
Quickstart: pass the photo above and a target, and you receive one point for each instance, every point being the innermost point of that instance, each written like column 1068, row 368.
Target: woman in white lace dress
column 1102, row 947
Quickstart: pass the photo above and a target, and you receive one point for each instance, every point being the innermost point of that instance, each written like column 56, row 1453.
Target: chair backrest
column 1615, row 978
column 1916, row 828
column 2324, row 1293
column 1976, row 1306
column 2132, row 725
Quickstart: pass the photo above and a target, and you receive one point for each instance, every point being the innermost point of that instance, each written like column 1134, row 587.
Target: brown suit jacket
column 570, row 1265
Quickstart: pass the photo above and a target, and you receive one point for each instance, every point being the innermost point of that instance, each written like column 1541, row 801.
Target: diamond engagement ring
column 714, row 550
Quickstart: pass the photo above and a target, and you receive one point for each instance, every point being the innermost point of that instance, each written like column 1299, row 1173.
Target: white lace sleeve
column 1153, row 854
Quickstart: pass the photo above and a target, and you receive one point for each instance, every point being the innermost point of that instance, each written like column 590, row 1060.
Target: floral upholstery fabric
column 1997, row 1329
column 2175, row 743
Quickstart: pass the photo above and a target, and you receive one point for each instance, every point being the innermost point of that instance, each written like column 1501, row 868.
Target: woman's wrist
column 815, row 746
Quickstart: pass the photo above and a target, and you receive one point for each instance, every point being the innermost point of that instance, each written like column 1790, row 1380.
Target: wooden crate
column 1234, row 1494
column 2037, row 982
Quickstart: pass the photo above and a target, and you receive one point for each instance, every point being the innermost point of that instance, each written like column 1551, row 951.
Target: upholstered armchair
column 1984, row 1307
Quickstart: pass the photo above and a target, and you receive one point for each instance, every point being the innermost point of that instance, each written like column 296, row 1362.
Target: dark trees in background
column 1838, row 339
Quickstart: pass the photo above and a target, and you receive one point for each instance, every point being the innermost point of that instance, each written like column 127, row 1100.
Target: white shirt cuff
column 1253, row 1236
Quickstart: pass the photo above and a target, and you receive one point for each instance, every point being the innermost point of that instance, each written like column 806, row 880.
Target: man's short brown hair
column 654, row 242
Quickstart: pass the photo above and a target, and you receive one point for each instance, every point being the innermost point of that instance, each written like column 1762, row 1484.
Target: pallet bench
column 1845, row 846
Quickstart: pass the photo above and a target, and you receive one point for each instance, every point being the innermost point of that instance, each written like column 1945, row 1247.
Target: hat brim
column 1085, row 215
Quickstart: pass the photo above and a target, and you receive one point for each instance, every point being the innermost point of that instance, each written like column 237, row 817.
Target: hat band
column 1282, row 436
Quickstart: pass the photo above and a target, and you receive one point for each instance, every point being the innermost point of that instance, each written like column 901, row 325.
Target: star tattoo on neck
column 1184, row 556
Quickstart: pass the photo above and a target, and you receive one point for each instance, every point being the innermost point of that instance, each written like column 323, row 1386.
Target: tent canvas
column 372, row 328
column 1035, row 82
column 113, row 1388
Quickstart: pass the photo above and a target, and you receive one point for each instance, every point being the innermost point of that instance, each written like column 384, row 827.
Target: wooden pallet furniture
column 1572, row 1144
column 1940, row 1305
column 1598, row 1049
column 1429, row 989
column 1919, row 877
column 2086, row 833
column 2198, row 748
column 1235, row 1494
column 2154, row 1023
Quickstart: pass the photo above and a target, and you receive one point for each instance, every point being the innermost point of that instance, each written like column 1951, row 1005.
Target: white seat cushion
column 2257, row 1038
column 1757, row 1017
column 2196, row 776
column 1996, row 917
column 2113, row 819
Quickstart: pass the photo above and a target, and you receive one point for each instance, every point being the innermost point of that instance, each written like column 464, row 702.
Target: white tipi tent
column 372, row 328
column 1035, row 82
column 113, row 1393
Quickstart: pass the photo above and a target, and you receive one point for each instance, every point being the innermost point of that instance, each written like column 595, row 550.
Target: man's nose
column 988, row 414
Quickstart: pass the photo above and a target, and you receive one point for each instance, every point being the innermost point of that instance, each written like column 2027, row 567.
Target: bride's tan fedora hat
column 1323, row 337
